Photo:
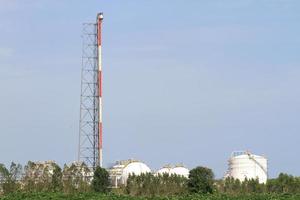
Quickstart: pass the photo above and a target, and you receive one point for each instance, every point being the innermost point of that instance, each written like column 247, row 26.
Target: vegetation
column 100, row 182
column 160, row 185
column 234, row 187
column 284, row 184
column 76, row 178
column 9, row 177
column 76, row 181
column 201, row 180
column 56, row 180
column 47, row 177
column 98, row 196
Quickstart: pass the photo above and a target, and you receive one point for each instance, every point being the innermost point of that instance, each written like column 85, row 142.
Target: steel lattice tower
column 90, row 130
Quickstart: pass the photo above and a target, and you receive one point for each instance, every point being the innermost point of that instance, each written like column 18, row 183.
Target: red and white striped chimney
column 99, row 32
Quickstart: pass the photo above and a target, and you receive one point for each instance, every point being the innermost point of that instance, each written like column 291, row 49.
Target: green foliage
column 284, row 184
column 160, row 185
column 100, row 181
column 56, row 179
column 201, row 180
column 40, row 181
column 29, row 178
column 98, row 196
column 38, row 177
column 234, row 186
column 76, row 178
column 9, row 178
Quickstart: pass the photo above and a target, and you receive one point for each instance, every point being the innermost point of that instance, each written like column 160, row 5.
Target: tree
column 4, row 174
column 284, row 184
column 201, row 180
column 82, row 177
column 67, row 179
column 10, row 177
column 100, row 181
column 132, row 186
column 56, row 180
column 156, row 185
column 42, row 177
column 30, row 177
column 76, row 178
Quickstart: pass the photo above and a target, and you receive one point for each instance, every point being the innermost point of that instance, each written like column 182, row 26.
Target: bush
column 201, row 180
column 160, row 185
column 100, row 181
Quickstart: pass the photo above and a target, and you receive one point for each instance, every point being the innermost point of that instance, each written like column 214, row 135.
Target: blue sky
column 184, row 81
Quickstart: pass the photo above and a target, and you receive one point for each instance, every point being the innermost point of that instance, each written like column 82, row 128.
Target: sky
column 183, row 81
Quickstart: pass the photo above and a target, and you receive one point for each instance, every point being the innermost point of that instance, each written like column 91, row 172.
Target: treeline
column 111, row 196
column 200, row 181
column 284, row 183
column 160, row 185
column 76, row 178
column 235, row 186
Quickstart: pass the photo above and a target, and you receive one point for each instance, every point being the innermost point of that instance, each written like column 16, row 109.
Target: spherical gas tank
column 164, row 170
column 180, row 171
column 134, row 168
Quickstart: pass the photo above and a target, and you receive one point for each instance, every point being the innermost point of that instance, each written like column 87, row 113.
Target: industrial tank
column 244, row 165
column 164, row 170
column 179, row 170
column 135, row 168
column 120, row 172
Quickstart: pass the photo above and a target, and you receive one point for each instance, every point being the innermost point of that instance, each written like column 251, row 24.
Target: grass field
column 93, row 196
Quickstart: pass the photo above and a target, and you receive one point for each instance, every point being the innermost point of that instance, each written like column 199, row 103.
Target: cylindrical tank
column 244, row 165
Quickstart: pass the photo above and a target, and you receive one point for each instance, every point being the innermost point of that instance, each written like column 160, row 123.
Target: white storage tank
column 120, row 172
column 134, row 168
column 164, row 170
column 179, row 170
column 244, row 165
